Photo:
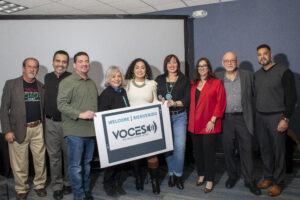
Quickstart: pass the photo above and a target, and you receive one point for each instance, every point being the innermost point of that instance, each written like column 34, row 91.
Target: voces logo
column 135, row 131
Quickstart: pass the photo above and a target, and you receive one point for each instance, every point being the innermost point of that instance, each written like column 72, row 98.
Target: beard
column 30, row 75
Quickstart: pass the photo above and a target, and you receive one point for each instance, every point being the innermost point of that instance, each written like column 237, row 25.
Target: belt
column 177, row 112
column 54, row 118
column 33, row 124
column 234, row 113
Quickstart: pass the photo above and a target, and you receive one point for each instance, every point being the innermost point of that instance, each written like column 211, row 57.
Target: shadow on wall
column 283, row 59
column 96, row 73
column 42, row 72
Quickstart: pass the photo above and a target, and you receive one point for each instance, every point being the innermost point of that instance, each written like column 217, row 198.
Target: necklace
column 171, row 85
column 138, row 86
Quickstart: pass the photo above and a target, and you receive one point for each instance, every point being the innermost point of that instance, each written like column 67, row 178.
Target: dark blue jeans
column 80, row 150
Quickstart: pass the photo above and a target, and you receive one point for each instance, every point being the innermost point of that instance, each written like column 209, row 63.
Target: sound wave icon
column 152, row 127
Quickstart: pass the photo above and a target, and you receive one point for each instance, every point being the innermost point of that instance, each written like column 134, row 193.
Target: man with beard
column 275, row 101
column 77, row 101
column 21, row 120
column 55, row 143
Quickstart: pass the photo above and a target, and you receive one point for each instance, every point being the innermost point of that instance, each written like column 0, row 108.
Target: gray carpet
column 191, row 191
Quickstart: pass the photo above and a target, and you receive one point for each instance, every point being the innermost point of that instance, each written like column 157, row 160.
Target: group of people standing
column 207, row 105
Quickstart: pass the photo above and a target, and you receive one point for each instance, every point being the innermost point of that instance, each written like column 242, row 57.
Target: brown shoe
column 275, row 190
column 22, row 196
column 265, row 184
column 41, row 192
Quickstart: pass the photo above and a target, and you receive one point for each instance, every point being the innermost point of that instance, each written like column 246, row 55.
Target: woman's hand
column 210, row 126
column 171, row 103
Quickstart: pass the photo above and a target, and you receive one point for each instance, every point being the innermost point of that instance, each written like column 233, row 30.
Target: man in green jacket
column 77, row 101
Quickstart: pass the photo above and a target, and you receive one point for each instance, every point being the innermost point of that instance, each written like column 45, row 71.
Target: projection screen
column 109, row 40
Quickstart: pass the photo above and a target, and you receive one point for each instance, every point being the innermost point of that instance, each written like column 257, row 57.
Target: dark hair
column 210, row 74
column 130, row 74
column 31, row 58
column 167, row 59
column 61, row 52
column 81, row 53
column 263, row 46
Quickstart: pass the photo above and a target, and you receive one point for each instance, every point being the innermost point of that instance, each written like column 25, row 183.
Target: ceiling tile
column 30, row 3
column 103, row 9
column 200, row 2
column 141, row 10
column 128, row 4
column 159, row 2
column 79, row 3
column 59, row 9
column 170, row 6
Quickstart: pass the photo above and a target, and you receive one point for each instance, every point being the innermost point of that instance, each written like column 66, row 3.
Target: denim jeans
column 175, row 159
column 80, row 150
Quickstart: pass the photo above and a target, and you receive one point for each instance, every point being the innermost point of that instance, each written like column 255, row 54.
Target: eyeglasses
column 229, row 61
column 202, row 66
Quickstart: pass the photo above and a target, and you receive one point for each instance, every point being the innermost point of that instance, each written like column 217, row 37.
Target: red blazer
column 212, row 102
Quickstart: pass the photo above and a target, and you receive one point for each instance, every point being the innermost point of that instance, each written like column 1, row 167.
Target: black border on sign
column 134, row 150
column 150, row 16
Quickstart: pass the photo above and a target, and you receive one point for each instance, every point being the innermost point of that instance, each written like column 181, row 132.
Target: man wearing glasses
column 238, row 122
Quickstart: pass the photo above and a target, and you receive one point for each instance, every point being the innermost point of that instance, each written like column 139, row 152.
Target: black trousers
column 236, row 136
column 272, row 146
column 204, row 147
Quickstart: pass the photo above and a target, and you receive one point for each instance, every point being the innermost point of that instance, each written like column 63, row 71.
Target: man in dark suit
column 238, row 122
column 21, row 120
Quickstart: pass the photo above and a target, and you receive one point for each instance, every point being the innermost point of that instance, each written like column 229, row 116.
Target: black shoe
column 139, row 183
column 58, row 194
column 171, row 182
column 179, row 182
column 154, row 180
column 67, row 190
column 120, row 190
column 230, row 183
column 110, row 190
column 88, row 195
column 253, row 188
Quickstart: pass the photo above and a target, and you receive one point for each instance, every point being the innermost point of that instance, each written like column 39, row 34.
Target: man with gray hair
column 21, row 119
column 238, row 122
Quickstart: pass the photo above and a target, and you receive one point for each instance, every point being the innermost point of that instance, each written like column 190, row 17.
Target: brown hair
column 210, row 74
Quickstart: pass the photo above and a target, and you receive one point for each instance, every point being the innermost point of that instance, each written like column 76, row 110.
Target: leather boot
column 154, row 180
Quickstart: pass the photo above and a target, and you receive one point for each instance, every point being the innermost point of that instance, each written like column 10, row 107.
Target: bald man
column 238, row 122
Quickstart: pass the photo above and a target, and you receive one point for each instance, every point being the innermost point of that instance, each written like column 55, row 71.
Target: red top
column 212, row 102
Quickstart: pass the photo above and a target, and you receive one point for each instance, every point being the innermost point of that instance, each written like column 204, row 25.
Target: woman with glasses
column 208, row 102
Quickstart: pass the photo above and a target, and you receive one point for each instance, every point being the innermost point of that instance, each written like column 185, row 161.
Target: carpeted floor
column 191, row 191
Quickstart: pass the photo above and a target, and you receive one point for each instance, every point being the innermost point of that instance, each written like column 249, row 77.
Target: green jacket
column 76, row 95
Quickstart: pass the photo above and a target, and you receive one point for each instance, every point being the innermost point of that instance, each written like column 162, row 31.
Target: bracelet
column 175, row 104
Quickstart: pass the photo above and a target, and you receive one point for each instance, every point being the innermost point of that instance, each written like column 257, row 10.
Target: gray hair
column 109, row 72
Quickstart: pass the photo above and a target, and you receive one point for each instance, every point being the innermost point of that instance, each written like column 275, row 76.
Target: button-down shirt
column 233, row 94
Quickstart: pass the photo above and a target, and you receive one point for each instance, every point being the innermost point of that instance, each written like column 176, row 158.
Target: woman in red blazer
column 208, row 101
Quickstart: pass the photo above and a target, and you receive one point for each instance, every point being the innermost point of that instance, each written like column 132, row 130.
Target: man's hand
column 10, row 137
column 282, row 126
column 87, row 115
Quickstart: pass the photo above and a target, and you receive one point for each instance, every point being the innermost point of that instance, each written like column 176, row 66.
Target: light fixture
column 199, row 13
column 8, row 7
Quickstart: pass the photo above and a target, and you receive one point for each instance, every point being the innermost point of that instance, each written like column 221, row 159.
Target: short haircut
column 81, row 53
column 167, row 59
column 110, row 71
column 263, row 46
column 31, row 58
column 61, row 52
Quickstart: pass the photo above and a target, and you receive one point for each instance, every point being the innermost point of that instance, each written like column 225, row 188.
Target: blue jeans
column 175, row 159
column 80, row 150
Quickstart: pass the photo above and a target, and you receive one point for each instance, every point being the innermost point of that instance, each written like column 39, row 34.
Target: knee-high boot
column 137, row 171
column 154, row 180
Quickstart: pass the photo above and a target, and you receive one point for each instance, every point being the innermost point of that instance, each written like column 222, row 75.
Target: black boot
column 119, row 183
column 139, row 183
column 178, row 182
column 154, row 180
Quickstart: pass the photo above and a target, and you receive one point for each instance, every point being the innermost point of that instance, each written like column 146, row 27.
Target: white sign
column 132, row 133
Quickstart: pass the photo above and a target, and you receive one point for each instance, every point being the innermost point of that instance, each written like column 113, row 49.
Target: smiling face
column 229, row 62
column 202, row 68
column 264, row 56
column 139, row 70
column 60, row 63
column 82, row 65
column 172, row 65
column 115, row 79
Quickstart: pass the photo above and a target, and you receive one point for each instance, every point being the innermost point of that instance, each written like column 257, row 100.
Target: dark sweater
column 110, row 99
column 275, row 90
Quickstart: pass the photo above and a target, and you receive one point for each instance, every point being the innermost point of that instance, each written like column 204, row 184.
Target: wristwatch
column 286, row 119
